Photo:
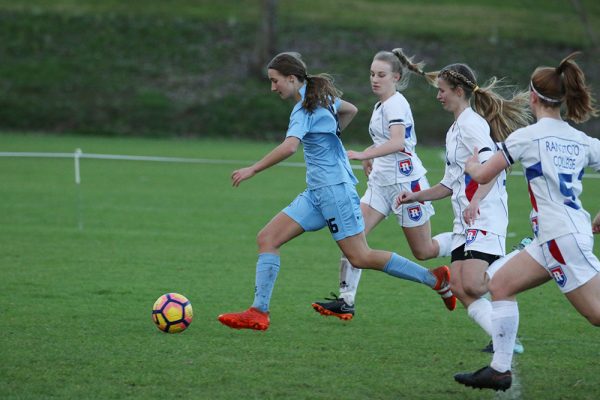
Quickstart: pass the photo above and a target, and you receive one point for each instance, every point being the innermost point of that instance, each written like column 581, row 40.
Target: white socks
column 505, row 323
column 481, row 312
column 445, row 241
column 349, row 278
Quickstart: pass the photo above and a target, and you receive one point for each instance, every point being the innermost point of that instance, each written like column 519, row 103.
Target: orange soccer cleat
column 252, row 318
column 442, row 286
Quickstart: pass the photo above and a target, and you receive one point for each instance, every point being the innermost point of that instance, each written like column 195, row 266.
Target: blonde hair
column 320, row 89
column 504, row 115
column 400, row 64
column 565, row 84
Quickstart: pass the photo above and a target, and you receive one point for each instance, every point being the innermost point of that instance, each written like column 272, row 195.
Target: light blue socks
column 403, row 268
column 267, row 268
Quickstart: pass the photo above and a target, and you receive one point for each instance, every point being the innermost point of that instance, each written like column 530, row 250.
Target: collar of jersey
column 302, row 92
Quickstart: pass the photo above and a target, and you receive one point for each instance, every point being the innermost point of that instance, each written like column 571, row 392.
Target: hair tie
column 475, row 89
column 306, row 77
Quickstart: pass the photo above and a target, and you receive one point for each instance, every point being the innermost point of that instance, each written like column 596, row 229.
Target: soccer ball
column 172, row 313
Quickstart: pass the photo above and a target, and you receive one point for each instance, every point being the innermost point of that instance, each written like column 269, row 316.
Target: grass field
column 80, row 267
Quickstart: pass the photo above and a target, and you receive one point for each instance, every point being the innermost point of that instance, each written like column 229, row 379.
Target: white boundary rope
column 79, row 154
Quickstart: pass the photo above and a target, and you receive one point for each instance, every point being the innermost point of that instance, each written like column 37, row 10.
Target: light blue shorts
column 336, row 206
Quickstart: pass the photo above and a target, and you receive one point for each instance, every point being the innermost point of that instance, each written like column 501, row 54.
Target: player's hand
column 405, row 198
column 367, row 167
column 472, row 162
column 356, row 155
column 471, row 213
column 240, row 175
column 596, row 224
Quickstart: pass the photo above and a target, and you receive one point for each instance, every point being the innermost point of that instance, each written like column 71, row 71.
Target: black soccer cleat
column 486, row 378
column 336, row 307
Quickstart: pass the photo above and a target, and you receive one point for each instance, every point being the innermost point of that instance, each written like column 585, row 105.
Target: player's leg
column 586, row 300
column 469, row 284
column 360, row 255
column 414, row 218
column 298, row 217
column 479, row 251
column 577, row 273
column 343, row 306
column 492, row 269
column 519, row 273
column 349, row 275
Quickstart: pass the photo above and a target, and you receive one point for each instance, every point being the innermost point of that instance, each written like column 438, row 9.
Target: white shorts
column 499, row 263
column 383, row 199
column 479, row 240
column 569, row 259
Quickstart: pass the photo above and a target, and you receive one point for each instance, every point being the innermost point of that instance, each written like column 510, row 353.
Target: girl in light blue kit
column 330, row 198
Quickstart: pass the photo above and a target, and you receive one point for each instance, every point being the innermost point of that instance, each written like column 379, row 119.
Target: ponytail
column 503, row 114
column 565, row 84
column 320, row 90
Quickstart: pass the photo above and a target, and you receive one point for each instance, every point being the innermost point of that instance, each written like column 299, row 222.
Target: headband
column 541, row 96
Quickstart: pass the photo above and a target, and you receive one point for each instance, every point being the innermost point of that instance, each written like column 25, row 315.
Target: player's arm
column 367, row 163
column 346, row 113
column 435, row 192
column 393, row 145
column 596, row 223
column 472, row 210
column 286, row 149
column 484, row 173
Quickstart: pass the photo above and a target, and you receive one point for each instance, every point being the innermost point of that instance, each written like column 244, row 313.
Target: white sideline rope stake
column 76, row 157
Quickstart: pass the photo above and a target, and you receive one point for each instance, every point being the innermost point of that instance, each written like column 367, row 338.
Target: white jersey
column 468, row 131
column 554, row 155
column 399, row 167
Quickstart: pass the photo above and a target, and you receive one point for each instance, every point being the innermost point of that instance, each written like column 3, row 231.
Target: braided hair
column 504, row 115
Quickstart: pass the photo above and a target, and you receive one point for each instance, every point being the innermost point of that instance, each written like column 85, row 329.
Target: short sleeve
column 593, row 160
column 450, row 176
column 474, row 136
column 395, row 113
column 298, row 126
column 515, row 146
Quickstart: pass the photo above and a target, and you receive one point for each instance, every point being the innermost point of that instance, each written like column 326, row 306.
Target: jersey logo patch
column 471, row 235
column 415, row 213
column 559, row 276
column 405, row 167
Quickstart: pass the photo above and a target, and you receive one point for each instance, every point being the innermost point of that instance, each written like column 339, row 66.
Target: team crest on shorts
column 405, row 166
column 471, row 235
column 534, row 225
column 415, row 213
column 559, row 276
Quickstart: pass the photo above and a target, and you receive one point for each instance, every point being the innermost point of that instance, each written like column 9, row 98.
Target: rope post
column 76, row 157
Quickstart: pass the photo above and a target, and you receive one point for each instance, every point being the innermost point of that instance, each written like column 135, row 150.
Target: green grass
column 81, row 267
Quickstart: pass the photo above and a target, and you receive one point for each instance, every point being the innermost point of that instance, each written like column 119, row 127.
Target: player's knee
column 497, row 290
column 594, row 318
column 421, row 254
column 265, row 239
column 475, row 289
column 356, row 260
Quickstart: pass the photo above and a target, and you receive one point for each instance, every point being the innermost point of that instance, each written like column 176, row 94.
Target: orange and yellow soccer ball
column 172, row 313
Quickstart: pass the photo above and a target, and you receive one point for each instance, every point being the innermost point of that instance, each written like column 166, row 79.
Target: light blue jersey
column 324, row 154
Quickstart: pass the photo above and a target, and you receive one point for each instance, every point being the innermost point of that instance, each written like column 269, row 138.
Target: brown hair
column 504, row 115
column 320, row 89
column 565, row 84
